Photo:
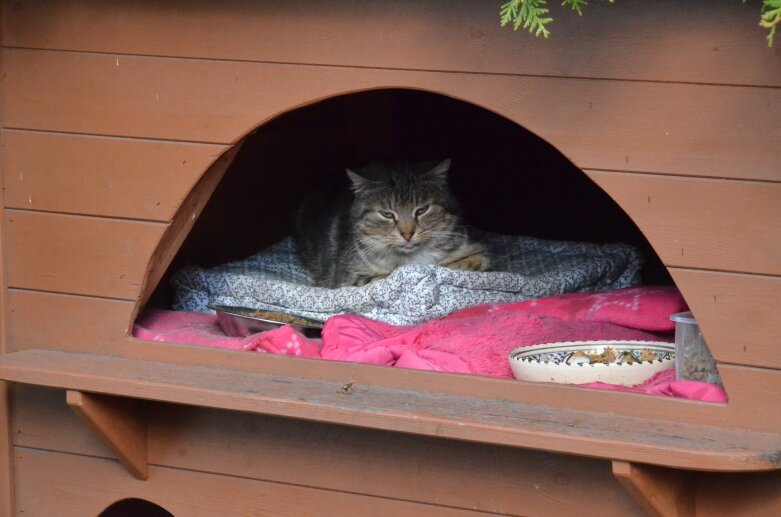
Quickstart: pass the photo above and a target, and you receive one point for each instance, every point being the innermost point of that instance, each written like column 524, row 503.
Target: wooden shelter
column 119, row 122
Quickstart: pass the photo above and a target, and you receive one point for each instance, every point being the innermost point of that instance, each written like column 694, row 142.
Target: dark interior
column 508, row 179
column 135, row 508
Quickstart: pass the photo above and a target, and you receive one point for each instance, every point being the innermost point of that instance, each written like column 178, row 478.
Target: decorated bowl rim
column 518, row 355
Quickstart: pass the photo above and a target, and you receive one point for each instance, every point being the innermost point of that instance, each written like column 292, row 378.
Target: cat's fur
column 385, row 215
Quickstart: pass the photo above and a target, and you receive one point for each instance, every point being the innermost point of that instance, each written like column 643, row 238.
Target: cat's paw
column 363, row 280
column 474, row 262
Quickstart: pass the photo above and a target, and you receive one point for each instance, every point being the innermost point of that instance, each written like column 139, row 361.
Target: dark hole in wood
column 135, row 508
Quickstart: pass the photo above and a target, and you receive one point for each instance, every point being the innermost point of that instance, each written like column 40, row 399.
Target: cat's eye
column 387, row 215
column 422, row 210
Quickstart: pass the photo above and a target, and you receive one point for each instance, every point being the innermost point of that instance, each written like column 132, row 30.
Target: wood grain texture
column 664, row 128
column 714, row 131
column 118, row 423
column 7, row 498
column 41, row 416
column 100, row 176
column 699, row 223
column 3, row 280
column 743, row 385
column 666, row 443
column 737, row 314
column 693, row 41
column 746, row 495
column 77, row 254
column 102, row 323
column 257, row 447
column 661, row 492
column 6, row 453
column 430, row 470
column 382, row 464
column 71, row 326
column 186, row 215
column 62, row 484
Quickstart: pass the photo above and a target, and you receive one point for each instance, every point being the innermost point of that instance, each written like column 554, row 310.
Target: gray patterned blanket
column 525, row 268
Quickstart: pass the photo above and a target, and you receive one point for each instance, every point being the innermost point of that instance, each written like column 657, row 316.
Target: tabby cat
column 371, row 221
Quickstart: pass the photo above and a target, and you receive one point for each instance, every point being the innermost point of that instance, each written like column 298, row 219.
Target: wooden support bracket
column 662, row 492
column 118, row 424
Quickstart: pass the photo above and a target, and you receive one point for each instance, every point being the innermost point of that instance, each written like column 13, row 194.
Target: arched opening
column 507, row 179
column 533, row 189
column 134, row 507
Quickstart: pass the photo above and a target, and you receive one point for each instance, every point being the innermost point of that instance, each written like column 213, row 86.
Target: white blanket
column 524, row 268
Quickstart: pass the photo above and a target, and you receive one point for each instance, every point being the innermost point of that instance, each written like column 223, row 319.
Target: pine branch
column 576, row 5
column 770, row 18
column 529, row 14
column 533, row 16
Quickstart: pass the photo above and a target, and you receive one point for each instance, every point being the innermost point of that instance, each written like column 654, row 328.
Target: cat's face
column 403, row 208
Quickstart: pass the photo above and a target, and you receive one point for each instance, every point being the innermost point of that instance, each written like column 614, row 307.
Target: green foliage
column 770, row 18
column 577, row 5
column 527, row 13
column 534, row 16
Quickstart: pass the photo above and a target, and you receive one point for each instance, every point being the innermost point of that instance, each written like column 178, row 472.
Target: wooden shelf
column 501, row 422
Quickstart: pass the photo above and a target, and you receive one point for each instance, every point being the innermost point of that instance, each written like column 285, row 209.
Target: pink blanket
column 200, row 328
column 475, row 340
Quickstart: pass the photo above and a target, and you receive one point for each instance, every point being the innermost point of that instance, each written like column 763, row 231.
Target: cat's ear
column 358, row 181
column 441, row 169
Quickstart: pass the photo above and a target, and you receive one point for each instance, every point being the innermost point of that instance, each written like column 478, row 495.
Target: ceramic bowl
column 627, row 363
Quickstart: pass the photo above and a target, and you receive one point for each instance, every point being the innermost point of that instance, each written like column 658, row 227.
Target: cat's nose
column 407, row 235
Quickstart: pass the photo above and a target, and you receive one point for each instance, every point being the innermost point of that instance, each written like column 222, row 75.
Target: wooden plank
column 746, row 495
column 501, row 422
column 703, row 223
column 430, row 470
column 100, row 176
column 99, row 323
column 738, row 314
column 6, row 453
column 71, row 326
column 3, row 283
column 176, row 233
column 63, row 484
column 743, row 384
column 661, row 492
column 423, row 469
column 119, row 424
column 42, row 420
column 81, row 255
column 7, row 497
column 693, row 41
column 713, row 131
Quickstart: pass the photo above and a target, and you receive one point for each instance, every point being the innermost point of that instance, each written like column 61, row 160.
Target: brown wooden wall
column 300, row 468
column 112, row 112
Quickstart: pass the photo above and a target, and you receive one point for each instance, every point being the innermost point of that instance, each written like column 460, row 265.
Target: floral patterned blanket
column 524, row 268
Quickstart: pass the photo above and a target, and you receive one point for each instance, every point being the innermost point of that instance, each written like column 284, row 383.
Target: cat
column 368, row 222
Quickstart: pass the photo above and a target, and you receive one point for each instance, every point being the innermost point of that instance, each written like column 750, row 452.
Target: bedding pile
column 525, row 268
column 474, row 341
